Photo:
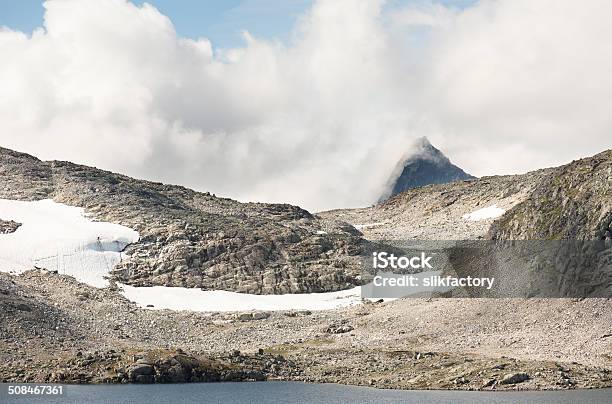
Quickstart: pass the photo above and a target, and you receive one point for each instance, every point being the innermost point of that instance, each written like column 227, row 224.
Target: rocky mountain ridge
column 557, row 219
column 573, row 202
column 198, row 240
column 194, row 239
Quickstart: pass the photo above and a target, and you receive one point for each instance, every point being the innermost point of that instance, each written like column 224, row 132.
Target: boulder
column 513, row 378
column 261, row 315
column 339, row 328
column 136, row 372
column 245, row 316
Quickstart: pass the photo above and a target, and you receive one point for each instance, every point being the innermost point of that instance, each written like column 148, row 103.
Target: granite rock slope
column 573, row 202
column 194, row 239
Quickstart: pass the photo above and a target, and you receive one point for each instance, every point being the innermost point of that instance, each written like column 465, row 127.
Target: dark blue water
column 296, row 392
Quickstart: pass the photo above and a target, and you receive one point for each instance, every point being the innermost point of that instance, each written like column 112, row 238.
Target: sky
column 305, row 102
column 220, row 21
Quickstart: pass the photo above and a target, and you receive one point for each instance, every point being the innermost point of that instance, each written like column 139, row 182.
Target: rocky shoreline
column 419, row 370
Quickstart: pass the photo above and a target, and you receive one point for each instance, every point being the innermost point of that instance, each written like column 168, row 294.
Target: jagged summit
column 427, row 165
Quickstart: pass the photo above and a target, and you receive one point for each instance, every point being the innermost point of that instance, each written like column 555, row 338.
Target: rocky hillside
column 427, row 165
column 435, row 212
column 573, row 202
column 194, row 239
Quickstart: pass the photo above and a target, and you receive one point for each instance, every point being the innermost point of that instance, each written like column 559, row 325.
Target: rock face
column 194, row 239
column 426, row 166
column 573, row 201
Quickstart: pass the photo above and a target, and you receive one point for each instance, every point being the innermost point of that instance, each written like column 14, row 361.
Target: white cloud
column 320, row 121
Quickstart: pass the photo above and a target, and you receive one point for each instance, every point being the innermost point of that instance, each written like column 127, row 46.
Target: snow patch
column 367, row 225
column 61, row 238
column 490, row 212
column 162, row 297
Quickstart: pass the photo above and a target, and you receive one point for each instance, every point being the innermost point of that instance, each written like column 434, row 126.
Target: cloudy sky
column 311, row 103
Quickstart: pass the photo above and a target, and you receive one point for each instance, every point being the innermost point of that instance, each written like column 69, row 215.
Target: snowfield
column 61, row 238
column 367, row 225
column 490, row 212
column 200, row 300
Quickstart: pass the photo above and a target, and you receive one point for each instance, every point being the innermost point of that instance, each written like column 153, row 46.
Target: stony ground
column 53, row 328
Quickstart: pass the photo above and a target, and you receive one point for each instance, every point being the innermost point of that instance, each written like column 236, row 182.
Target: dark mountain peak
column 425, row 165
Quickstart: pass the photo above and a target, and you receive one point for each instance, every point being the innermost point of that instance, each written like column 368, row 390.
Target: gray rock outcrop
column 8, row 226
column 194, row 239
